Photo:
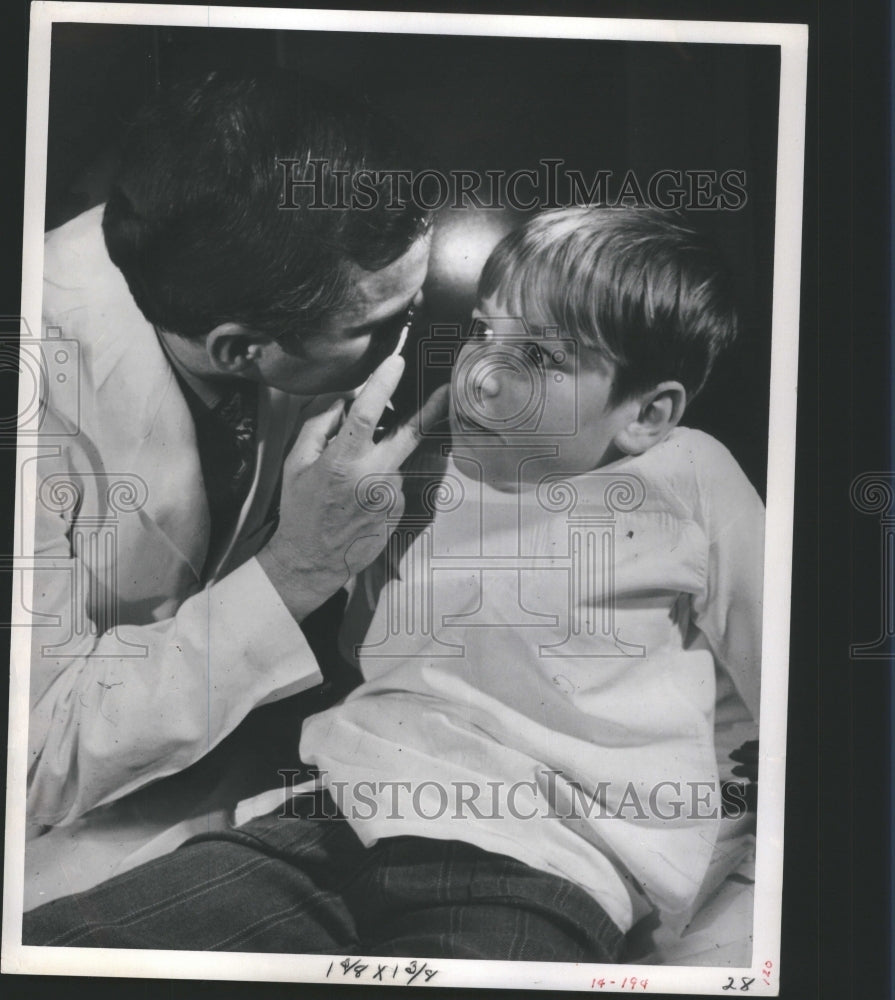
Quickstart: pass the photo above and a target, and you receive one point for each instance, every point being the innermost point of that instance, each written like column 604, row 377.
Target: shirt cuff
column 250, row 623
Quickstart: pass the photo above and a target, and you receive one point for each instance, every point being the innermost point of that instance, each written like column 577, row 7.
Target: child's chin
column 464, row 426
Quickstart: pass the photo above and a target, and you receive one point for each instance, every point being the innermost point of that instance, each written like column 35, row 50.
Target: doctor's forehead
column 391, row 286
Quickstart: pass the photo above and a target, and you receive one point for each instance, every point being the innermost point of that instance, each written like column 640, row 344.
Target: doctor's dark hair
column 194, row 218
column 638, row 286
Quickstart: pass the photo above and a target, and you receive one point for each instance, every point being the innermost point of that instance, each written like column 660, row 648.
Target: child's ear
column 659, row 410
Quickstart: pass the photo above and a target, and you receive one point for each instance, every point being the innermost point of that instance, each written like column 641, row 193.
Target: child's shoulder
column 692, row 452
column 696, row 468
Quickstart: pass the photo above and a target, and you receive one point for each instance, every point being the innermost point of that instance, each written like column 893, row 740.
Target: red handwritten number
column 766, row 972
column 629, row 982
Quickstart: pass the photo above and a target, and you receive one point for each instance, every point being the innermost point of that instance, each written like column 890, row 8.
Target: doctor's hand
column 328, row 529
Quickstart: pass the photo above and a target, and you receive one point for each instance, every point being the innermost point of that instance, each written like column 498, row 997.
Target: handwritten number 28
column 744, row 988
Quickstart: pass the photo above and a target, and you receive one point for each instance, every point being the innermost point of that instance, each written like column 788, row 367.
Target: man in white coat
column 196, row 494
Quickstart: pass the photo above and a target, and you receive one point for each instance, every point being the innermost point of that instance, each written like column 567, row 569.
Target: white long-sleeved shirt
column 540, row 673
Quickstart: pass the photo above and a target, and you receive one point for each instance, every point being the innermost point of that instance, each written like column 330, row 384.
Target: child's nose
column 488, row 382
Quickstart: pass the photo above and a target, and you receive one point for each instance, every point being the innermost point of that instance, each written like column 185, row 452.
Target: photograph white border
column 792, row 40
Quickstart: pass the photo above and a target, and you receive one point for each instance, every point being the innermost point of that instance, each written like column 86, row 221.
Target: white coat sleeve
column 102, row 724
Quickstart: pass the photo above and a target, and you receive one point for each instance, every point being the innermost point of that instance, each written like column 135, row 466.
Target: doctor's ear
column 658, row 411
column 234, row 349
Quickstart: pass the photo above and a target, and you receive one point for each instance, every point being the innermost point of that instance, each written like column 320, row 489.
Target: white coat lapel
column 147, row 430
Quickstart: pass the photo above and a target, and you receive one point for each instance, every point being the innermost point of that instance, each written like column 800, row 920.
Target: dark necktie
column 238, row 412
column 225, row 436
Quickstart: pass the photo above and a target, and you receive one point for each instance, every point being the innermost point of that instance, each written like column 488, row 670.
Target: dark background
column 837, row 916
column 485, row 104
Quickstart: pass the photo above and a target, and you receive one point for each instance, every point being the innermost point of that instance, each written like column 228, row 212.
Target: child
column 540, row 667
column 529, row 765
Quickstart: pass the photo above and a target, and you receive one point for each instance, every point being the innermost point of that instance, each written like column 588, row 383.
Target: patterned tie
column 238, row 411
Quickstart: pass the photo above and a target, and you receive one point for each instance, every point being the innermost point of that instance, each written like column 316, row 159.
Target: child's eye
column 479, row 330
column 534, row 353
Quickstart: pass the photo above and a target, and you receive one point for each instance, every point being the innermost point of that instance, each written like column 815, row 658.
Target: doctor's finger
column 356, row 434
column 315, row 435
column 392, row 451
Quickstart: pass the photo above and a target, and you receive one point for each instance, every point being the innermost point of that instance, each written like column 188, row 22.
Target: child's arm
column 729, row 611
